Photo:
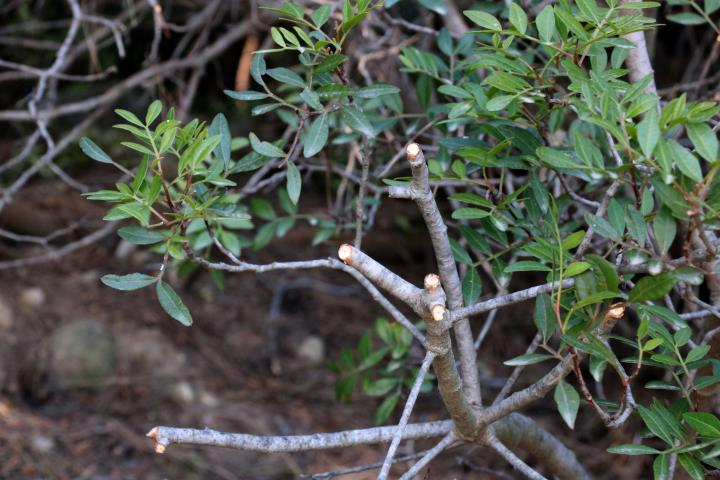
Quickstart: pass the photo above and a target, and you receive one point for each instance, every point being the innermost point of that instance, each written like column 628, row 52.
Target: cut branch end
column 159, row 447
column 437, row 312
column 345, row 253
column 413, row 150
column 432, row 282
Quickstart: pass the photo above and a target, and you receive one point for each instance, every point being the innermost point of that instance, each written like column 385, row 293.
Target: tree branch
column 505, row 300
column 409, row 404
column 638, row 60
column 421, row 193
column 165, row 436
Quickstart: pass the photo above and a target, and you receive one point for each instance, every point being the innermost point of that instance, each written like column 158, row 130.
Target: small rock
column 31, row 298
column 146, row 352
column 209, row 400
column 80, row 354
column 42, row 444
column 183, row 393
column 6, row 316
column 312, row 350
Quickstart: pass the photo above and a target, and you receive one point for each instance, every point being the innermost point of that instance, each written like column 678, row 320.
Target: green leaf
column 127, row 210
column 498, row 103
column 219, row 126
column 321, row 15
column 544, row 315
column 469, row 214
column 483, row 19
column 567, row 401
column 704, row 139
column 137, row 147
column 263, row 209
column 472, row 199
column 437, row 6
column 376, row 90
column 686, row 161
column 264, row 148
column 632, row 449
column 386, row 408
column 459, row 253
column 140, row 236
column 373, row 358
column 93, row 151
column 665, row 229
column 357, row 120
column 528, row 359
column 245, row 94
column 471, row 286
column 277, row 36
column 652, row 288
column 686, row 18
column 656, row 424
column 257, row 68
column 132, row 281
column 697, row 353
column 704, row 423
column 636, row 225
column 284, row 75
column 294, row 182
column 661, row 467
column 518, row 18
column 172, row 304
column 130, row 117
column 380, row 387
column 312, row 99
column 576, row 268
column 648, row 132
column 507, row 82
column 691, row 466
column 602, row 227
column 317, row 136
column 153, row 111
column 545, row 23
column 331, row 63
column 527, row 266
column 555, row 158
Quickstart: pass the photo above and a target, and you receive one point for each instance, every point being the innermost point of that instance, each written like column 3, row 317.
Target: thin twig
column 409, row 404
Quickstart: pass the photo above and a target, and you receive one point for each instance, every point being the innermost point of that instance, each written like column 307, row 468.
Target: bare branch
column 382, row 277
column 520, row 432
column 429, row 456
column 330, row 263
column 421, row 193
column 54, row 255
column 165, row 436
column 638, row 60
column 505, row 300
column 513, row 460
column 409, row 404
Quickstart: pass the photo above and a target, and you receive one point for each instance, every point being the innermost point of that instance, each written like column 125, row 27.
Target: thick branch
column 518, row 431
column 638, row 60
column 382, row 277
column 422, row 194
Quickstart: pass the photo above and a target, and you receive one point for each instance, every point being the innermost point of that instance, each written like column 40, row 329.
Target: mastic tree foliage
column 544, row 158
